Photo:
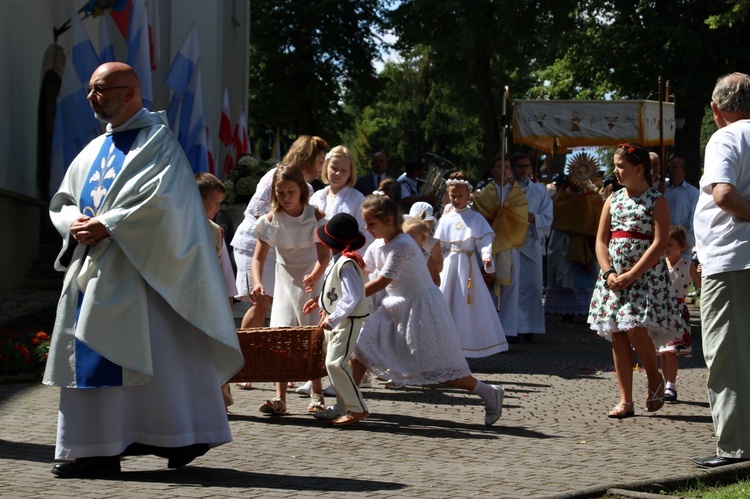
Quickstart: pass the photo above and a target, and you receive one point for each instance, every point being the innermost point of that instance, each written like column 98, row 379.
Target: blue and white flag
column 106, row 49
column 85, row 58
column 75, row 125
column 192, row 121
column 179, row 75
column 139, row 56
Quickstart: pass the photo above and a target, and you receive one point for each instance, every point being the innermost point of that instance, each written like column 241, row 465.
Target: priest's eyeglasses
column 99, row 90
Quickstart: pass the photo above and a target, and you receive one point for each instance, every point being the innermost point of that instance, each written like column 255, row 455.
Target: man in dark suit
column 370, row 182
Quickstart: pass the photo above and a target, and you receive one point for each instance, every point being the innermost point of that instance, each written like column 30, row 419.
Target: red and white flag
column 240, row 142
column 229, row 162
column 121, row 15
column 225, row 127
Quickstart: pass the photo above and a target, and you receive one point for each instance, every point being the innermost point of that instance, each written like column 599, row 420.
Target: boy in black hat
column 343, row 309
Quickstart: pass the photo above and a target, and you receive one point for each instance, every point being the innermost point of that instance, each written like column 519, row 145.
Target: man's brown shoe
column 350, row 418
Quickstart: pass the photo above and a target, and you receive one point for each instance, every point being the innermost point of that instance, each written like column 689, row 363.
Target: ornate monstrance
column 582, row 169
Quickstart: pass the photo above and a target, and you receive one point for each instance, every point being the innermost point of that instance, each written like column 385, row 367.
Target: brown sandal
column 274, row 406
column 621, row 411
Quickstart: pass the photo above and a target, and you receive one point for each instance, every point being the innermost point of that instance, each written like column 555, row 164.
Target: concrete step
column 42, row 274
column 42, row 283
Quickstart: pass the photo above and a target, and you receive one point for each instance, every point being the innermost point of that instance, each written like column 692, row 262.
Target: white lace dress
column 374, row 258
column 411, row 337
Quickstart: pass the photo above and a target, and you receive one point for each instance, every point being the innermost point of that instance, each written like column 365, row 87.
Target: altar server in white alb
column 143, row 336
column 462, row 233
column 530, row 306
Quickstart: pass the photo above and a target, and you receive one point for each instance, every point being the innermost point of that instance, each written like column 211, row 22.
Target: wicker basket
column 281, row 354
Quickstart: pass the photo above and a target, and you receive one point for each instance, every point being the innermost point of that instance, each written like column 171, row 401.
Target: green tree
column 306, row 60
column 413, row 114
column 476, row 48
column 623, row 46
column 737, row 11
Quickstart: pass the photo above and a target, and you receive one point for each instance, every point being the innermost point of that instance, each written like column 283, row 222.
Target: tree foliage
column 312, row 71
column 737, row 11
column 306, row 60
column 621, row 47
column 414, row 114
column 476, row 48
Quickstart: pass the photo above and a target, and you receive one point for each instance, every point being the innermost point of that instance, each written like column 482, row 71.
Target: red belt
column 680, row 300
column 622, row 234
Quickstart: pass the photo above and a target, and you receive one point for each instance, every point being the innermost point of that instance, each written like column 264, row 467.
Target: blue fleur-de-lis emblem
column 332, row 295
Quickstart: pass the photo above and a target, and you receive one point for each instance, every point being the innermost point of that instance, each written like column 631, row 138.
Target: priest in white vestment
column 531, row 284
column 144, row 336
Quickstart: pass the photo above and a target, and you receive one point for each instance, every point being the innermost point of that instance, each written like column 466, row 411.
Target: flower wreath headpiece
column 627, row 147
column 459, row 181
column 329, row 155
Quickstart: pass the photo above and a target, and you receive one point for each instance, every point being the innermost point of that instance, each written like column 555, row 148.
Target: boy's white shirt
column 351, row 292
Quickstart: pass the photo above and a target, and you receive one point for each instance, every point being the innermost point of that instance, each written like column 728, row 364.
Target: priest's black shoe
column 716, row 461
column 88, row 467
column 182, row 456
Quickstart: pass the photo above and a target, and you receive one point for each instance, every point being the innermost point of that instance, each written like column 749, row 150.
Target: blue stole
column 93, row 370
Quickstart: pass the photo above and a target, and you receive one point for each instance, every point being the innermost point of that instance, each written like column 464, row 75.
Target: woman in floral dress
column 631, row 305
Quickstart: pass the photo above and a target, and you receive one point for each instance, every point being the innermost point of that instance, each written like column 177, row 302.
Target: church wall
column 26, row 33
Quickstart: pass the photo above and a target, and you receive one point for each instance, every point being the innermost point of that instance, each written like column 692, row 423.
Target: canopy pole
column 662, row 149
column 504, row 140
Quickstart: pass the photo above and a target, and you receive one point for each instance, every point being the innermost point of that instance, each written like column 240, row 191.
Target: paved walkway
column 553, row 438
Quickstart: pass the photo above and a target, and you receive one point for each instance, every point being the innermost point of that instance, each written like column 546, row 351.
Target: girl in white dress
column 340, row 173
column 308, row 153
column 681, row 273
column 633, row 305
column 300, row 262
column 374, row 255
column 411, row 337
column 462, row 233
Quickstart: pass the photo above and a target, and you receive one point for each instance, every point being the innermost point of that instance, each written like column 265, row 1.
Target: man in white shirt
column 682, row 199
column 722, row 230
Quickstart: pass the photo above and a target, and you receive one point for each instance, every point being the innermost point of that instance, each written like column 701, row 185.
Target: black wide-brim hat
column 341, row 232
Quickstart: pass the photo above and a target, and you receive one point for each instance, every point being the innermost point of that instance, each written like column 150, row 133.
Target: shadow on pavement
column 687, row 419
column 22, row 451
column 231, row 478
column 407, row 426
